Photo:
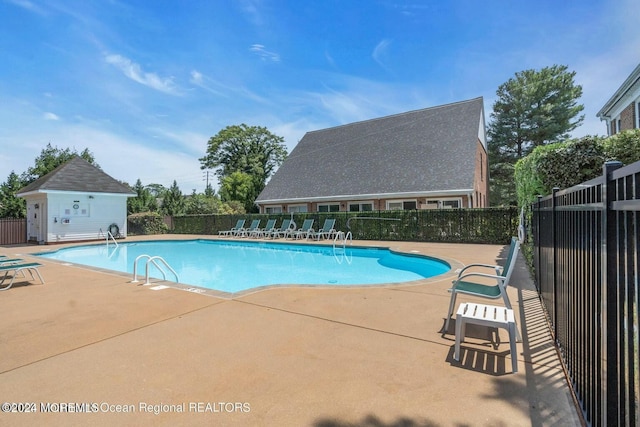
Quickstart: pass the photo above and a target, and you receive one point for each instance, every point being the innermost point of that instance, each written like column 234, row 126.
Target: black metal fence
column 492, row 226
column 586, row 252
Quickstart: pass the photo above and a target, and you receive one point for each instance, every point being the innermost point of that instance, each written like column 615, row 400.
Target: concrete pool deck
column 290, row 356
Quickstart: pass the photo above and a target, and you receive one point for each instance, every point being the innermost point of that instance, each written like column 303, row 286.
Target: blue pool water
column 238, row 266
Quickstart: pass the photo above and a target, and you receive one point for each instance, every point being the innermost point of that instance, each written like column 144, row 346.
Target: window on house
column 451, row 204
column 618, row 124
column 402, row 205
column 297, row 208
column 273, row 209
column 412, row 205
column 329, row 208
column 360, row 207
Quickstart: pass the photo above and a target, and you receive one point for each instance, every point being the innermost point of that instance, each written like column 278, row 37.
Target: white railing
column 107, row 235
column 112, row 238
column 152, row 260
column 342, row 237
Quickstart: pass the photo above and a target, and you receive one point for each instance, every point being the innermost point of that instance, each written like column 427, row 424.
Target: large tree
column 533, row 108
column 173, row 203
column 144, row 200
column 251, row 150
column 52, row 157
column 10, row 205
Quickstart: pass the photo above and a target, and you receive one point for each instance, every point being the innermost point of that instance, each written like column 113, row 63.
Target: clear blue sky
column 145, row 84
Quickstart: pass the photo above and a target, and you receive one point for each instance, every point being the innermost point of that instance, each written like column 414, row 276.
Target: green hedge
column 492, row 225
column 146, row 223
column 572, row 162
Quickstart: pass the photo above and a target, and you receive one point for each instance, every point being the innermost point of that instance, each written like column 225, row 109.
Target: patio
column 299, row 356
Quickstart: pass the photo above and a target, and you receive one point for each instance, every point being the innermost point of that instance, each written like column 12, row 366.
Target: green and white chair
column 465, row 284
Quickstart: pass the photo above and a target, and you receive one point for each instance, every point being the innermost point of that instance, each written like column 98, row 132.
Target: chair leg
column 507, row 304
column 512, row 344
column 460, row 330
column 452, row 304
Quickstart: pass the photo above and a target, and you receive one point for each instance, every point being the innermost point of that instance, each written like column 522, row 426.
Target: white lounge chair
column 234, row 230
column 246, row 232
column 16, row 269
column 280, row 231
column 261, row 232
column 325, row 232
column 307, row 227
column 502, row 275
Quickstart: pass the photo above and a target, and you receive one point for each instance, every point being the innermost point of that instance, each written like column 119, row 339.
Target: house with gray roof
column 425, row 159
column 75, row 202
column 622, row 110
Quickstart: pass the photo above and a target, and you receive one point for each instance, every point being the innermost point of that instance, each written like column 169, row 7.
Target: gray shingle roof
column 77, row 175
column 432, row 149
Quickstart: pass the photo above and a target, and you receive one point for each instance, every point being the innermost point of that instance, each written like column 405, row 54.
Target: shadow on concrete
column 546, row 383
column 373, row 421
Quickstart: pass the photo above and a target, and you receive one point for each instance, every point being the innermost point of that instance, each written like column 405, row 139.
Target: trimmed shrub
column 146, row 223
column 623, row 146
column 562, row 165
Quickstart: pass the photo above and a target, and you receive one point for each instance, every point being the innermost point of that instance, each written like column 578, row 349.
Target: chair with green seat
column 326, row 232
column 15, row 269
column 246, row 232
column 261, row 232
column 303, row 232
column 464, row 284
column 234, row 230
column 280, row 231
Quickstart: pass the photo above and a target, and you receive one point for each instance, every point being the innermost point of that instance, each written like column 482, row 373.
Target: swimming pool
column 239, row 266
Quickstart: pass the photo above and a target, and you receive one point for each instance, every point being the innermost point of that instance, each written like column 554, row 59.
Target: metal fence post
column 537, row 243
column 610, row 390
column 554, row 245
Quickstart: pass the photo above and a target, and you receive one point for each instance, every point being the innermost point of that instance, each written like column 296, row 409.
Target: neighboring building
column 75, row 202
column 622, row 111
column 425, row 159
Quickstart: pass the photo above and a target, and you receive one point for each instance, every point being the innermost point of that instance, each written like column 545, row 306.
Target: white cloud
column 135, row 73
column 225, row 90
column 264, row 54
column 50, row 116
column 380, row 51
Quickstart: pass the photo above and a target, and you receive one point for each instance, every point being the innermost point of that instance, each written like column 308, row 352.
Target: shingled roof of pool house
column 424, row 159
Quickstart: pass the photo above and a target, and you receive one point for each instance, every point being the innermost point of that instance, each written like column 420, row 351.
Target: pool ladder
column 342, row 237
column 152, row 260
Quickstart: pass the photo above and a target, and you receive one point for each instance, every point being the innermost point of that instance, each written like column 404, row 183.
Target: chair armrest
column 490, row 276
column 497, row 268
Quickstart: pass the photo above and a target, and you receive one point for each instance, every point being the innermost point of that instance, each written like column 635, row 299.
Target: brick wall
column 628, row 117
column 480, row 179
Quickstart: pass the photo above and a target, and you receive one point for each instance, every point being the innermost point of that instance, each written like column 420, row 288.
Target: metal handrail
column 112, row 238
column 152, row 260
column 344, row 237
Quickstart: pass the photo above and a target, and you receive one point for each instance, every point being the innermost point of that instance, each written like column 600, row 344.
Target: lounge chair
column 4, row 261
column 502, row 275
column 260, row 232
column 239, row 226
column 281, row 230
column 307, row 227
column 15, row 269
column 245, row 232
column 325, row 232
